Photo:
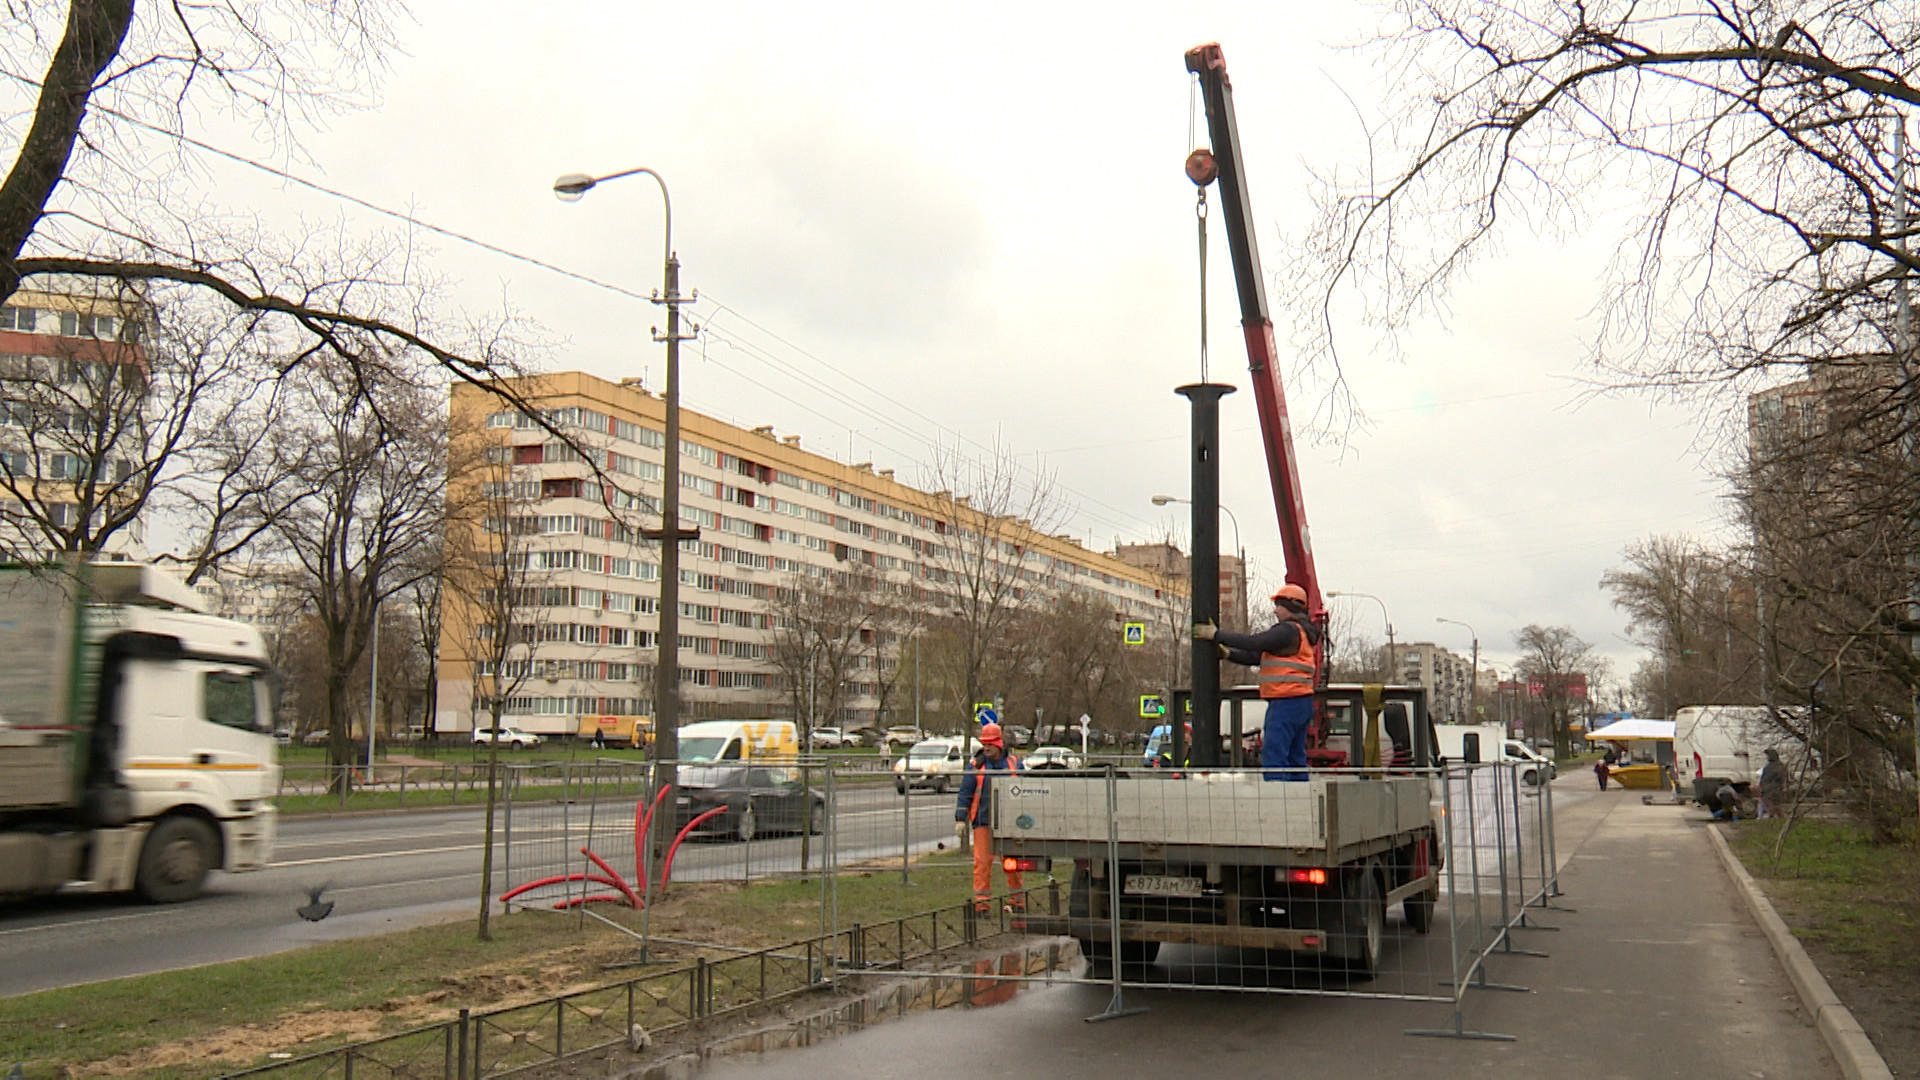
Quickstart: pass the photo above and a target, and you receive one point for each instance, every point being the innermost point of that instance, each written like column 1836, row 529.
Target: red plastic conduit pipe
column 666, row 871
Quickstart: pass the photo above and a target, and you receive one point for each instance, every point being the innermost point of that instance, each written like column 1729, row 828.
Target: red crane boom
column 1270, row 398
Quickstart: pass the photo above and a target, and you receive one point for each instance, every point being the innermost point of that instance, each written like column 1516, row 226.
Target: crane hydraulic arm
column 1270, row 399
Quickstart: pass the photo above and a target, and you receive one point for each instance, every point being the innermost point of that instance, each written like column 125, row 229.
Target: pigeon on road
column 316, row 908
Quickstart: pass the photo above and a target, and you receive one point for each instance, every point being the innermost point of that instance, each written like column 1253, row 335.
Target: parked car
column 1053, row 757
column 511, row 737
column 1018, row 736
column 931, row 763
column 905, row 735
column 828, row 738
column 282, row 737
column 753, row 801
column 866, row 736
column 314, row 738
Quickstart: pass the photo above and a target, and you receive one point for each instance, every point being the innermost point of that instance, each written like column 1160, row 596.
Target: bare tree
column 985, row 511
column 371, row 529
column 1692, row 608
column 1759, row 138
column 138, row 405
column 827, row 626
column 100, row 186
column 1563, row 666
column 499, row 578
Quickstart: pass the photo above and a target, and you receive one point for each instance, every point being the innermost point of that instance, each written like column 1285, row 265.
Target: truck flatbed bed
column 1223, row 817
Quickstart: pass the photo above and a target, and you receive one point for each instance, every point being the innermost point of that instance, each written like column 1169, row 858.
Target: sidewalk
column 1660, row 972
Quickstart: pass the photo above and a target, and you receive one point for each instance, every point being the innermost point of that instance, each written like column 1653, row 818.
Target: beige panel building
column 767, row 509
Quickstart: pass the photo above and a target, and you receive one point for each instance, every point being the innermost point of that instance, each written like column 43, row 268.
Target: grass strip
column 1857, row 899
column 220, row 1017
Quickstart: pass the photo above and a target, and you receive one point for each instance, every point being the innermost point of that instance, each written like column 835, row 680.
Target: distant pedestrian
column 1601, row 769
column 1726, row 802
column 1773, row 785
column 599, row 739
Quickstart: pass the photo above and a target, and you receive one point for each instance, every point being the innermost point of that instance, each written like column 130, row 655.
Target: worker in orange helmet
column 972, row 814
column 1285, row 655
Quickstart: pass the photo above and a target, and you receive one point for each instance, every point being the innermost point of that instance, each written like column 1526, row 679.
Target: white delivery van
column 1712, row 743
column 740, row 740
column 1490, row 743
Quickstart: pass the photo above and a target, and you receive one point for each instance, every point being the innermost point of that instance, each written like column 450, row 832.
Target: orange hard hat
column 1291, row 592
column 990, row 735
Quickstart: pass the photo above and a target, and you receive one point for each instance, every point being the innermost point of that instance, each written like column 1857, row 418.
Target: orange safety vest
column 980, row 784
column 1288, row 676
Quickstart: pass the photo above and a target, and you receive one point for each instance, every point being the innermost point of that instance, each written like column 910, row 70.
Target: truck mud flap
column 1241, row 937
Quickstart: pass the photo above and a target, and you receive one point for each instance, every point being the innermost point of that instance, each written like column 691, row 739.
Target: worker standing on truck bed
column 971, row 813
column 1284, row 653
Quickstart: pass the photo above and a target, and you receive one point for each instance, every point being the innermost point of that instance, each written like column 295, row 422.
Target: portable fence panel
column 1344, row 882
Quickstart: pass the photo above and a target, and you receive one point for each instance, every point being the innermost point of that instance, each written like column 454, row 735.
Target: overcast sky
column 944, row 222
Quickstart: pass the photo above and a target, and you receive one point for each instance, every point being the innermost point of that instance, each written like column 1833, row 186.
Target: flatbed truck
column 1227, row 858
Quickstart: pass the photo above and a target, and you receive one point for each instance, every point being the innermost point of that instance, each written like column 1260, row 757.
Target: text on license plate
column 1160, row 885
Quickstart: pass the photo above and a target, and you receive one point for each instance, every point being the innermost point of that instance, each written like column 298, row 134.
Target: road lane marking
column 375, row 855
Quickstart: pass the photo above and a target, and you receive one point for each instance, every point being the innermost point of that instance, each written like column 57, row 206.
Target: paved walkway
column 1659, row 973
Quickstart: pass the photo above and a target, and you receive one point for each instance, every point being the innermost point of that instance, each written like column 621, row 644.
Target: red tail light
column 1020, row 864
column 1314, row 876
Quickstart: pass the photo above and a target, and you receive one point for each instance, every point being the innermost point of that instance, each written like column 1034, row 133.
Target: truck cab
column 137, row 748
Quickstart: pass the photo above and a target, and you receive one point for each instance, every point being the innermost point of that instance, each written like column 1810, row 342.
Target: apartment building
column 1447, row 676
column 73, row 376
column 767, row 510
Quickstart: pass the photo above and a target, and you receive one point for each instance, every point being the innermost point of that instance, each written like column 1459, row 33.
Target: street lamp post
column 666, row 675
column 1473, row 676
column 1392, row 655
column 1240, row 552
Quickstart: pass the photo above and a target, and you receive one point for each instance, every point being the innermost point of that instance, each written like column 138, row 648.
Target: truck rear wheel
column 175, row 860
column 1363, row 923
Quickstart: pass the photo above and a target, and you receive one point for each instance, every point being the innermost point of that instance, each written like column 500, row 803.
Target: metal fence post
column 1500, row 847
column 906, row 831
column 506, row 806
column 832, row 870
column 465, row 1017
column 1116, row 1006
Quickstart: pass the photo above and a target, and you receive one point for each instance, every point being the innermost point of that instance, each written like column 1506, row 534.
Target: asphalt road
column 386, row 872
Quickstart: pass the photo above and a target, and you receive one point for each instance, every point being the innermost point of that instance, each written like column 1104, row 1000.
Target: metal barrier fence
column 621, row 1017
column 1350, row 883
column 1365, row 884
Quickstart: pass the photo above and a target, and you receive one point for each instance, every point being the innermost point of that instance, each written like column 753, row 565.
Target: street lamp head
column 570, row 187
column 1162, row 500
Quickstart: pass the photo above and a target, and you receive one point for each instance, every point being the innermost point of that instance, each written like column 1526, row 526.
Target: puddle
column 980, row 982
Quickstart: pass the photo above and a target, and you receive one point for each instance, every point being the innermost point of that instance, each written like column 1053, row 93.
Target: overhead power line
column 1127, row 520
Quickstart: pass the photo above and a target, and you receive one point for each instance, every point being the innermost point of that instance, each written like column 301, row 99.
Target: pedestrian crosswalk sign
column 1134, row 633
column 1150, row 706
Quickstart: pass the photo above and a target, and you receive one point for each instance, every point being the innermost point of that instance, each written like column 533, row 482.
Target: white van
column 740, row 740
column 1493, row 745
column 1712, row 743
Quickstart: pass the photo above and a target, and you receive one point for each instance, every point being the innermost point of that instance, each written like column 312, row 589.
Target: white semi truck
column 135, row 735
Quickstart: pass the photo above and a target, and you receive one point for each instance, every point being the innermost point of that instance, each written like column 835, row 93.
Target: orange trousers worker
column 972, row 813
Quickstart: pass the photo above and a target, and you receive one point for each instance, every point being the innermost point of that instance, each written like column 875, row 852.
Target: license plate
column 1159, row 885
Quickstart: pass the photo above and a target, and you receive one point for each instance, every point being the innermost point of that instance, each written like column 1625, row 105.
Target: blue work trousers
column 1283, row 741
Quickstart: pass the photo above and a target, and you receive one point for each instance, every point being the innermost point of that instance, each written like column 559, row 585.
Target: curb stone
column 1858, row 1058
